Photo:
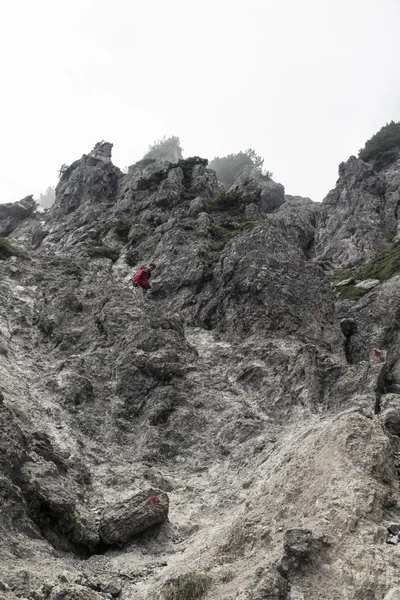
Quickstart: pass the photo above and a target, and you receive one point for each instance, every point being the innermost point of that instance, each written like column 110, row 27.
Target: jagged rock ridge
column 229, row 426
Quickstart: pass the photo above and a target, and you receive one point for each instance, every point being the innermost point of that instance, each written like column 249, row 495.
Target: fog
column 303, row 83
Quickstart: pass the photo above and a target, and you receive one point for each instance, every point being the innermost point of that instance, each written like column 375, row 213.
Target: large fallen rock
column 121, row 521
column 13, row 213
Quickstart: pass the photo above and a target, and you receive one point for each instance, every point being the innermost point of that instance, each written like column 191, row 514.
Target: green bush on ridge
column 383, row 148
column 7, row 249
column 189, row 586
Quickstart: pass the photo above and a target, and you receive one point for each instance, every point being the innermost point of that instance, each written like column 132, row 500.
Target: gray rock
column 395, row 372
column 391, row 419
column 73, row 592
column 393, row 594
column 345, row 282
column 354, row 217
column 394, row 388
column 270, row 194
column 367, row 284
column 124, row 520
column 93, row 179
column 13, row 214
column 348, row 327
column 235, row 371
column 112, row 587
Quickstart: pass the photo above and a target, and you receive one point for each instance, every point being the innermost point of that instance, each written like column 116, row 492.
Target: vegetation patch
column 164, row 148
column 187, row 165
column 350, row 292
column 188, row 225
column 187, row 587
column 7, row 249
column 383, row 148
column 103, row 252
column 233, row 202
column 122, row 227
column 222, row 234
column 132, row 257
column 146, row 183
column 230, row 167
column 382, row 267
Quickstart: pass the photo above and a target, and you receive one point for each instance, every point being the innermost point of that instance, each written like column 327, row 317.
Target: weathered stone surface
column 252, row 183
column 93, row 179
column 74, row 592
column 352, row 223
column 348, row 327
column 12, row 214
column 242, row 387
column 123, row 520
column 345, row 282
column 393, row 594
column 367, row 284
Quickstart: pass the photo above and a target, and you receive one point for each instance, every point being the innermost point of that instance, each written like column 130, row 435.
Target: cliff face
column 236, row 424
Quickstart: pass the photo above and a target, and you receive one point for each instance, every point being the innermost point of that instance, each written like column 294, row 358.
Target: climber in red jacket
column 141, row 279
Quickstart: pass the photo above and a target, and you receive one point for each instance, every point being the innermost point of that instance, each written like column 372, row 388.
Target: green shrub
column 122, row 227
column 188, row 225
column 382, row 267
column 164, row 149
column 132, row 257
column 380, row 149
column 233, row 202
column 146, row 183
column 230, row 167
column 187, row 165
column 187, row 587
column 384, row 159
column 103, row 252
column 350, row 292
column 7, row 249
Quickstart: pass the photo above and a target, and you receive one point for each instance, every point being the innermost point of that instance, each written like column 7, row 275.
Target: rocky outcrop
column 126, row 519
column 253, row 183
column 356, row 217
column 13, row 214
column 91, row 180
column 255, row 411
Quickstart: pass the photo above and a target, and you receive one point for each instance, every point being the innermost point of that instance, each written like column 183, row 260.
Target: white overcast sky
column 303, row 82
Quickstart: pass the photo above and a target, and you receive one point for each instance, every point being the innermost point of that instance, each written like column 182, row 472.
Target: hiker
column 141, row 281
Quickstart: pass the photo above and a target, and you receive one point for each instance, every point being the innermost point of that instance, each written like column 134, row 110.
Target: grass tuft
column 103, row 252
column 187, row 587
column 7, row 249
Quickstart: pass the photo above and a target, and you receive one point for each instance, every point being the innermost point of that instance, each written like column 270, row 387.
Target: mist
column 304, row 84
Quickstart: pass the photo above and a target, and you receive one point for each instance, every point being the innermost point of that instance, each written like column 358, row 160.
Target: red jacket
column 142, row 278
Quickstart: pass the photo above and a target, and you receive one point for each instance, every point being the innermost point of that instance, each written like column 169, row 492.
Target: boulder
column 252, row 182
column 348, row 327
column 391, row 420
column 367, row 284
column 69, row 591
column 125, row 519
column 393, row 594
column 344, row 282
column 354, row 217
column 12, row 214
column 91, row 180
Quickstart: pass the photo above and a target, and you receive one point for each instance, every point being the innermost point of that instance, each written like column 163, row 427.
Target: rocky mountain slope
column 233, row 435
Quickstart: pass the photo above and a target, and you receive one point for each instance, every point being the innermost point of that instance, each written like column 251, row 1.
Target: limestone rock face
column 253, row 183
column 355, row 216
column 242, row 385
column 93, row 179
column 12, row 214
column 123, row 520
